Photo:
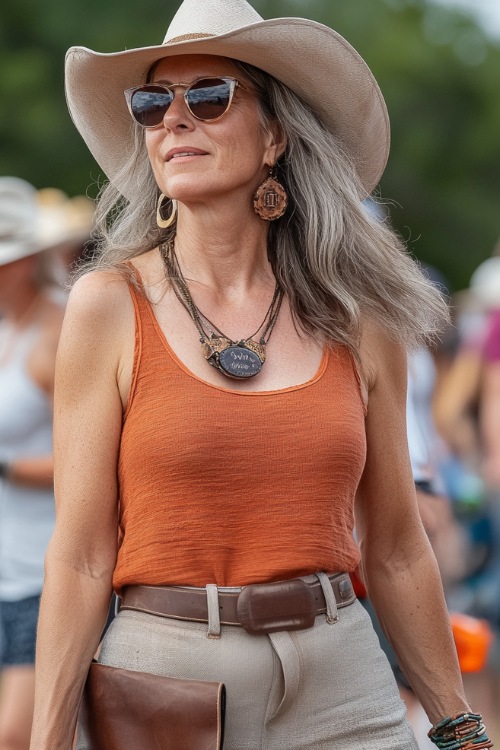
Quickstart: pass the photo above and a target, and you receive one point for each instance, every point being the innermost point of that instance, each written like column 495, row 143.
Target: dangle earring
column 270, row 199
column 160, row 220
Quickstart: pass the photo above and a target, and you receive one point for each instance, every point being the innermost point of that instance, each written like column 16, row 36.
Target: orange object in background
column 473, row 639
column 358, row 585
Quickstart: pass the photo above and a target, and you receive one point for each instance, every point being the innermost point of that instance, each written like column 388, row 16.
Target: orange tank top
column 220, row 486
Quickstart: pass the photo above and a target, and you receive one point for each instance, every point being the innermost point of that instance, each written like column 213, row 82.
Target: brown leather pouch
column 127, row 710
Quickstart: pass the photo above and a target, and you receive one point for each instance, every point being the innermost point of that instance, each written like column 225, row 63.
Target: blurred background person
column 490, row 385
column 30, row 322
column 466, row 413
column 456, row 403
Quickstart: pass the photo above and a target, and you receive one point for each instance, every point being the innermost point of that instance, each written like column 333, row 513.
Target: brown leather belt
column 259, row 608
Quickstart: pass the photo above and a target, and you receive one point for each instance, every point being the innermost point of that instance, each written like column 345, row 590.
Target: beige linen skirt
column 329, row 687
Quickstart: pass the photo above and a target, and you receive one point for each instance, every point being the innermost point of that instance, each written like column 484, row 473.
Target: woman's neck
column 229, row 253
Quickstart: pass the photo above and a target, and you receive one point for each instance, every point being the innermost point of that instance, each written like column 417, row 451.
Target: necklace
column 236, row 359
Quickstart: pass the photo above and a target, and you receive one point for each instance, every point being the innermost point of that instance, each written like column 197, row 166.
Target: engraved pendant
column 213, row 346
column 239, row 362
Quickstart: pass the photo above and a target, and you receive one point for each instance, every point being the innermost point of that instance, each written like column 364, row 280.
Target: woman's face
column 229, row 155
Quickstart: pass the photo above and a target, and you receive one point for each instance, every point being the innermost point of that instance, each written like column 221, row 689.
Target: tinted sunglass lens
column 149, row 106
column 209, row 98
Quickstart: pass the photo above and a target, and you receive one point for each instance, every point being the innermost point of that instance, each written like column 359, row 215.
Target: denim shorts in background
column 18, row 621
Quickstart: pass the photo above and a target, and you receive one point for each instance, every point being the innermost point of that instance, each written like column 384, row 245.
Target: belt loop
column 213, row 630
column 331, row 602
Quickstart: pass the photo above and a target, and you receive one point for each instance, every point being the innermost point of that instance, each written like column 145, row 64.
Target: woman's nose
column 178, row 113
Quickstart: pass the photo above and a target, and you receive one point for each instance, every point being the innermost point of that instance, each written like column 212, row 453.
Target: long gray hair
column 335, row 263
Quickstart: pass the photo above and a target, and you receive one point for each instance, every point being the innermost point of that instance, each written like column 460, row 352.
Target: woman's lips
column 184, row 152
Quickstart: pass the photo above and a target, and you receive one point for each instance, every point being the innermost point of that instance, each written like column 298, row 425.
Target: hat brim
column 311, row 59
column 10, row 252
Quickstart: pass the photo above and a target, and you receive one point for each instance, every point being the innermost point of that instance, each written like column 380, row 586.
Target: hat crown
column 209, row 18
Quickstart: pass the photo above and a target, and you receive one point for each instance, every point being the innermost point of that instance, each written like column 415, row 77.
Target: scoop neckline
column 277, row 391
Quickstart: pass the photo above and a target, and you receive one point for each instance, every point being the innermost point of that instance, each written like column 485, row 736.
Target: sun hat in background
column 63, row 220
column 18, row 220
column 484, row 285
column 32, row 221
column 313, row 60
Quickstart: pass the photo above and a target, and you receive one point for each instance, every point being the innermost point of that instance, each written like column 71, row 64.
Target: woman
column 29, row 330
column 236, row 462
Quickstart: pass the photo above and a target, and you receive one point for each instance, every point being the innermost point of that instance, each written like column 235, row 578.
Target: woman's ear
column 277, row 143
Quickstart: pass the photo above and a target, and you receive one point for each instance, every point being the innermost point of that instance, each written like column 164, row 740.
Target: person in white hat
column 231, row 390
column 30, row 323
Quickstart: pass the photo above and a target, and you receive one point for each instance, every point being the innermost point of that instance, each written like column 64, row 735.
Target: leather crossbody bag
column 127, row 710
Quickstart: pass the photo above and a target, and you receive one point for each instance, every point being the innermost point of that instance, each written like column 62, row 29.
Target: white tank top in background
column 26, row 515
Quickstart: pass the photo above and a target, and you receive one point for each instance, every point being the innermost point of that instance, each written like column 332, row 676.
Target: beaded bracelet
column 464, row 731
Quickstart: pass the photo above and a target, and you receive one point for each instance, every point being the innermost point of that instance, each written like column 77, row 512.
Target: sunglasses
column 207, row 99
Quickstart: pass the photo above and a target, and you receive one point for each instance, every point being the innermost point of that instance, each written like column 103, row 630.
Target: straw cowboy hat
column 311, row 59
column 32, row 221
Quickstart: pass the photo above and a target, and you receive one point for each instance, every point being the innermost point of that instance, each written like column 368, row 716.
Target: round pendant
column 239, row 362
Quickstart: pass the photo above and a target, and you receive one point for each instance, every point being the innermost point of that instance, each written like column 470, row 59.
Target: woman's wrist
column 461, row 732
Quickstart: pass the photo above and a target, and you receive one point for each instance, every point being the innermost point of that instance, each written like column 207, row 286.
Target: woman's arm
column 490, row 423
column 399, row 566
column 457, row 394
column 82, row 553
column 38, row 471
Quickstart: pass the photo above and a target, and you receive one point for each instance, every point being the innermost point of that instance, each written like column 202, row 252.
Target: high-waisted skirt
column 329, row 687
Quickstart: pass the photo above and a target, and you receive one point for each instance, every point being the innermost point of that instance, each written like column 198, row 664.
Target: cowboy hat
column 311, row 59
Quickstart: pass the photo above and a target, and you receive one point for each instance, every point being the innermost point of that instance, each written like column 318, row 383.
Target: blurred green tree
column 438, row 70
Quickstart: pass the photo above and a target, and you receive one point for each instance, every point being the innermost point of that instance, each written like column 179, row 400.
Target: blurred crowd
column 453, row 432
column 42, row 235
column 453, row 416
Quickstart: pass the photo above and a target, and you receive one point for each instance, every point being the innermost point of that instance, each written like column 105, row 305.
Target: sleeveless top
column 26, row 514
column 229, row 487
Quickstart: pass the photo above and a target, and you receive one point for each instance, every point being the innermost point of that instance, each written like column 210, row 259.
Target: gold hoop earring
column 270, row 199
column 160, row 220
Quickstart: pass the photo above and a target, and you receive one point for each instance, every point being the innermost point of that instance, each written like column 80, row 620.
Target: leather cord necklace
column 236, row 359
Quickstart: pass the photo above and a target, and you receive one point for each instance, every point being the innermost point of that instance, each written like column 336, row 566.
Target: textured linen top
column 229, row 487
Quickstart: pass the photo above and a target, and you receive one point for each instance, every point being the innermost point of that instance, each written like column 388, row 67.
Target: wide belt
column 263, row 607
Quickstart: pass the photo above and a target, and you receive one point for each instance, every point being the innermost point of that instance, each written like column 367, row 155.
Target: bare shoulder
column 98, row 295
column 99, row 318
column 382, row 356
